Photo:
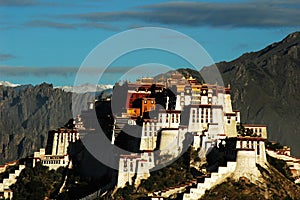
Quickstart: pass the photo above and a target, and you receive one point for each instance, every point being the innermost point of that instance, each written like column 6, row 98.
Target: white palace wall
column 134, row 165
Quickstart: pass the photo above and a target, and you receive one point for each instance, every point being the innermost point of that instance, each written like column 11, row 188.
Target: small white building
column 56, row 153
column 134, row 166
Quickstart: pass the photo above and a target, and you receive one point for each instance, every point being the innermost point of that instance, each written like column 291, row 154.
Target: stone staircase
column 5, row 191
column 215, row 179
column 175, row 190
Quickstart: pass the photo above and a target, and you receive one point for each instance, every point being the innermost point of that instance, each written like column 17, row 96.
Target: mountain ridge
column 265, row 88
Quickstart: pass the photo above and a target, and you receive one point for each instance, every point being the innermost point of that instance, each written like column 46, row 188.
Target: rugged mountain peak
column 295, row 35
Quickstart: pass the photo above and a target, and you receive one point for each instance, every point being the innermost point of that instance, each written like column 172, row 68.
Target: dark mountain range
column 265, row 88
column 27, row 113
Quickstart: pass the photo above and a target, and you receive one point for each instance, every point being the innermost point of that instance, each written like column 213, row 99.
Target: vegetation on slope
column 273, row 186
column 87, row 175
column 281, row 166
column 240, row 190
column 37, row 183
column 273, row 146
column 277, row 185
column 78, row 186
column 170, row 176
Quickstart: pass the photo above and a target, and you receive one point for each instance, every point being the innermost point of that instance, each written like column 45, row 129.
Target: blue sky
column 48, row 40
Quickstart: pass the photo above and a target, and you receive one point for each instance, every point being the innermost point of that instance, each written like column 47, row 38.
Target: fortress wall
column 149, row 136
column 168, row 140
column 246, row 157
column 127, row 169
column 227, row 102
column 262, row 158
column 230, row 128
column 138, row 165
column 142, row 172
column 197, row 141
column 8, row 194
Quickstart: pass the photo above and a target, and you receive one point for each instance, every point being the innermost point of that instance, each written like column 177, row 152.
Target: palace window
column 206, row 116
column 131, row 167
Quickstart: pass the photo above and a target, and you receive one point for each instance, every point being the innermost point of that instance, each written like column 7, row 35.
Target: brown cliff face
column 27, row 114
column 265, row 87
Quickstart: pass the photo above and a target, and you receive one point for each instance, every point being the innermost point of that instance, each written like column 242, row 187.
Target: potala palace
column 167, row 112
column 205, row 111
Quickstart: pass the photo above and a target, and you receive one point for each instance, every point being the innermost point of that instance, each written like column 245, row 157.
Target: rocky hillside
column 272, row 186
column 27, row 113
column 265, row 87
